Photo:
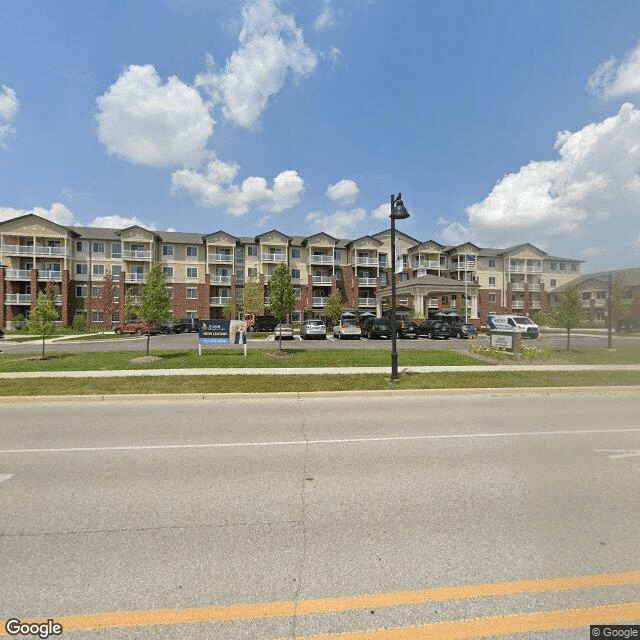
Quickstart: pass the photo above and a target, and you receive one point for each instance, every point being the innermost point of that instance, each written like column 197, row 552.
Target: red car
column 138, row 327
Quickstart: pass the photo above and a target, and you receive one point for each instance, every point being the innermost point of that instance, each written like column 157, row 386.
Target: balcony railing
column 221, row 257
column 218, row 301
column 367, row 282
column 18, row 274
column 321, row 258
column 17, row 298
column 321, row 279
column 362, row 260
column 431, row 264
column 517, row 268
column 535, row 304
column 135, row 277
column 136, row 255
column 31, row 250
column 49, row 275
column 517, row 304
column 366, row 302
column 534, row 286
column 274, row 257
column 220, row 279
column 517, row 286
column 319, row 302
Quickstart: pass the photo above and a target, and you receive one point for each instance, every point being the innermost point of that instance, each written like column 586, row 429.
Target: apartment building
column 206, row 270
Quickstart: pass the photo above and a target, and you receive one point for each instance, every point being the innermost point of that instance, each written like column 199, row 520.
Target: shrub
column 79, row 323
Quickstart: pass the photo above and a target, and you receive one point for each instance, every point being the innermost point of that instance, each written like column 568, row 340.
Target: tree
column 130, row 307
column 107, row 305
column 230, row 309
column 332, row 307
column 282, row 295
column 569, row 314
column 42, row 317
column 155, row 301
column 252, row 296
column 416, row 316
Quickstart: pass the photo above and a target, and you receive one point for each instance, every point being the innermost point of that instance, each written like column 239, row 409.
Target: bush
column 19, row 322
column 79, row 323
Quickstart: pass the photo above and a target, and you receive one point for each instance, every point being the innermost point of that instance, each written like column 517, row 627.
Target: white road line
column 619, row 453
column 5, row 477
column 297, row 443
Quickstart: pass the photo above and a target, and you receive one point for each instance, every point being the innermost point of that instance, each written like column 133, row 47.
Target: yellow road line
column 499, row 625
column 333, row 605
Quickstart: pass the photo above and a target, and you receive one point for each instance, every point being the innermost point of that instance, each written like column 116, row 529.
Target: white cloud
column 272, row 46
column 338, row 224
column 327, row 16
column 9, row 105
column 588, row 195
column 382, row 212
column 151, row 123
column 57, row 213
column 345, row 191
column 214, row 188
column 118, row 222
column 612, row 79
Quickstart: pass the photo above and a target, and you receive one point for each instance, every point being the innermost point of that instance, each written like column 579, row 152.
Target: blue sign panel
column 223, row 332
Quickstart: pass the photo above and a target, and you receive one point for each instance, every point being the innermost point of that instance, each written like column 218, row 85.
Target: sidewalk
column 288, row 371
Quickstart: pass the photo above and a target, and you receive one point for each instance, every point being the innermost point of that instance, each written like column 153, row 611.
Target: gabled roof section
column 399, row 234
column 521, row 247
column 36, row 219
column 222, row 233
column 322, row 236
column 281, row 236
column 429, row 245
column 463, row 248
column 128, row 231
column 372, row 239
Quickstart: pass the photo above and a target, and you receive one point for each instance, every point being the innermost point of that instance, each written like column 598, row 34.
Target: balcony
column 430, row 264
column 18, row 274
column 366, row 261
column 135, row 277
column 218, row 301
column 366, row 302
column 136, row 255
column 220, row 279
column 517, row 286
column 274, row 257
column 367, row 282
column 517, row 268
column 320, row 258
column 319, row 301
column 535, row 304
column 517, row 304
column 322, row 280
column 51, row 251
column 49, row 275
column 534, row 286
column 17, row 298
column 226, row 258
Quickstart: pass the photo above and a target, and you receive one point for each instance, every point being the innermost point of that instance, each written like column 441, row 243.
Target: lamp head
column 399, row 211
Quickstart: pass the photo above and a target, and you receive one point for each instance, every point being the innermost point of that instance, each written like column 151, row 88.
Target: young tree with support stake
column 569, row 313
column 332, row 307
column 155, row 301
column 282, row 295
column 43, row 317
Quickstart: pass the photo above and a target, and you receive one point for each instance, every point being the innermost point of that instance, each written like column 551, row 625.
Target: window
column 492, row 263
column 98, row 247
column 192, row 293
column 563, row 266
column 98, row 270
column 295, row 253
column 338, row 255
column 96, row 292
column 553, row 266
column 492, row 280
column 338, row 273
column 601, row 295
column 116, row 270
column 404, row 276
column 382, row 260
column 295, row 316
column 167, row 250
column 554, row 282
column 298, row 294
column 252, row 250
column 252, row 272
column 168, row 271
column 81, row 291
column 82, row 269
column 295, row 274
column 383, row 279
column 192, row 251
column 115, row 317
column 170, row 292
column 492, row 297
column 574, row 266
column 116, row 250
column 192, row 272
column 586, row 296
column 80, row 246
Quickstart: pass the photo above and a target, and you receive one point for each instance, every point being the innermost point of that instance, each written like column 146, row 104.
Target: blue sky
column 500, row 122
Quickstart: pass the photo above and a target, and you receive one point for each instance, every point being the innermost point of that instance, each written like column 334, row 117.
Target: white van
column 518, row 324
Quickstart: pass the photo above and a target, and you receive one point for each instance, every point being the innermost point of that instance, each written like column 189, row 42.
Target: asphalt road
column 579, row 342
column 270, row 518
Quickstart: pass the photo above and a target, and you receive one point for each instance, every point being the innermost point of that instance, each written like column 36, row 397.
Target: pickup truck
column 347, row 328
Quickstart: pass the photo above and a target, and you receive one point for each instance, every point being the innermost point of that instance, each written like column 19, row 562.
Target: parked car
column 138, row 327
column 284, row 331
column 260, row 323
column 523, row 325
column 407, row 329
column 313, row 328
column 434, row 329
column 184, row 325
column 347, row 328
column 463, row 330
column 377, row 328
column 167, row 327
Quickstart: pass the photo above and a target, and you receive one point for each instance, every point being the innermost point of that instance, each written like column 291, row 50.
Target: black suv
column 434, row 329
column 184, row 325
column 463, row 330
column 377, row 328
column 407, row 329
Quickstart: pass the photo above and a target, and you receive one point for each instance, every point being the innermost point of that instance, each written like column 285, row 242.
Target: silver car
column 313, row 328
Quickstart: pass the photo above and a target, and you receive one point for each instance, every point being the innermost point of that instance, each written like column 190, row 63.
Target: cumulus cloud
column 338, row 224
column 151, row 123
column 214, row 187
column 57, row 213
column 9, row 105
column 272, row 47
column 590, row 191
column 345, row 191
column 381, row 212
column 326, row 18
column 614, row 79
column 118, row 222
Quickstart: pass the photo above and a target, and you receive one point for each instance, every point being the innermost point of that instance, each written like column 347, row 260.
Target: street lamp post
column 398, row 212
